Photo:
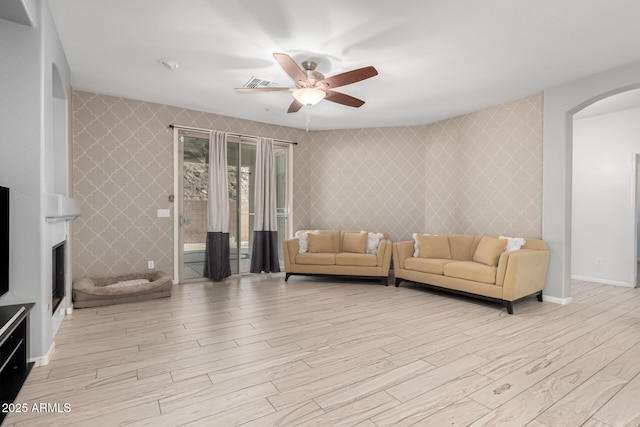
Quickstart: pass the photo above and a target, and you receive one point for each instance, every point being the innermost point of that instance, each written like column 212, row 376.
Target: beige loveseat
column 474, row 265
column 338, row 253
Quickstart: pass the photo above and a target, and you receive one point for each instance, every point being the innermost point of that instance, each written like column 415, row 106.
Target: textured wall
column 123, row 172
column 483, row 171
column 480, row 173
column 370, row 179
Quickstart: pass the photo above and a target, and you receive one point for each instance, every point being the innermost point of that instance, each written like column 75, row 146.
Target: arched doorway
column 560, row 104
column 606, row 143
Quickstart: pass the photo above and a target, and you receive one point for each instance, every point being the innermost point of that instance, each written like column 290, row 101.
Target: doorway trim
column 636, row 203
column 177, row 176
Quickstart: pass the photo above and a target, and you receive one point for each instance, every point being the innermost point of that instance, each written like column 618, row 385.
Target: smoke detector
column 168, row 63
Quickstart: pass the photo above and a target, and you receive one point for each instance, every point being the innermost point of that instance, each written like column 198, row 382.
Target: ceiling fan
column 312, row 87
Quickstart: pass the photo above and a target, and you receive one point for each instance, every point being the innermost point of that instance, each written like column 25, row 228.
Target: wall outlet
column 599, row 261
column 151, row 265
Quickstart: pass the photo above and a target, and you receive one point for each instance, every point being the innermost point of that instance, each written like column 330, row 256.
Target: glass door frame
column 178, row 197
column 286, row 215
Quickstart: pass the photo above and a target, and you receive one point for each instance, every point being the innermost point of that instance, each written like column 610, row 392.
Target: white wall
column 637, row 207
column 27, row 121
column 603, row 215
column 20, row 161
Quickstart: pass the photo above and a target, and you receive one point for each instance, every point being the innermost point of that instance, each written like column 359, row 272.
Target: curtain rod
column 228, row 133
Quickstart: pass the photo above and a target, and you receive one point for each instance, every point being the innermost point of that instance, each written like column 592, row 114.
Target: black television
column 4, row 240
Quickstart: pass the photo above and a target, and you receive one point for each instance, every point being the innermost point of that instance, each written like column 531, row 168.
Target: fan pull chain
column 308, row 116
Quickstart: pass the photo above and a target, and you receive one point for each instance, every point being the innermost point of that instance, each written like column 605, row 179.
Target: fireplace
column 57, row 268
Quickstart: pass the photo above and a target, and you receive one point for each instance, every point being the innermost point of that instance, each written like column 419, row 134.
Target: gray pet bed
column 96, row 292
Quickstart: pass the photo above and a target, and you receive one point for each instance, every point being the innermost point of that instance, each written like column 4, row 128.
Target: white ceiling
column 436, row 58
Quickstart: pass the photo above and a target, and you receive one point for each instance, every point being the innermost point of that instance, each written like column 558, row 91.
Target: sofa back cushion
column 489, row 250
column 534, row 244
column 434, row 246
column 463, row 246
column 321, row 243
column 354, row 242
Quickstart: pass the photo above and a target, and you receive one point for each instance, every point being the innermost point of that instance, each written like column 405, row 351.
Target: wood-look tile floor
column 257, row 351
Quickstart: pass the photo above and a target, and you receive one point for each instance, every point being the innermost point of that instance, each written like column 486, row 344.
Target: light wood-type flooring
column 257, row 351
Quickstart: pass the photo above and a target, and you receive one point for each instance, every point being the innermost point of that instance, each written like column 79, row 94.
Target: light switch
column 164, row 213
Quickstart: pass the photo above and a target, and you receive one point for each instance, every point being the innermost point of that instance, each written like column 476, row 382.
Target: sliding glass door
column 193, row 199
column 281, row 154
column 241, row 165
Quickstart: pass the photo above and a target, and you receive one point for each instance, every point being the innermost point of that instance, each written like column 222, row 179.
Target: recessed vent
column 255, row 82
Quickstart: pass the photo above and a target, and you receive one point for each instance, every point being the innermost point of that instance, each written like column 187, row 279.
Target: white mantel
column 59, row 207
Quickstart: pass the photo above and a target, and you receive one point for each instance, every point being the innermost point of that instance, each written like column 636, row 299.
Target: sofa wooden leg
column 286, row 276
column 398, row 282
column 385, row 281
column 539, row 296
column 509, row 306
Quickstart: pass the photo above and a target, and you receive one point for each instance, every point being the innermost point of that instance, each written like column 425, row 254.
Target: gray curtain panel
column 216, row 264
column 264, row 255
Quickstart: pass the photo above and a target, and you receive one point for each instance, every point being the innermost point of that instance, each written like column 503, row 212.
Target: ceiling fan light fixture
column 309, row 95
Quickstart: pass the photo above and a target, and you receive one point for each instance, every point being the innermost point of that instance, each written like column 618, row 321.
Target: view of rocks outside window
column 196, row 192
column 196, row 178
column 196, row 184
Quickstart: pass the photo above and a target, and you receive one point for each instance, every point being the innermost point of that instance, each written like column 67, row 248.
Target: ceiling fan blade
column 295, row 106
column 348, row 77
column 260, row 89
column 290, row 67
column 343, row 99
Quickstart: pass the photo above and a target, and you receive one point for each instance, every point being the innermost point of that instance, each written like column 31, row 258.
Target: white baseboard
column 603, row 281
column 69, row 310
column 555, row 300
column 44, row 360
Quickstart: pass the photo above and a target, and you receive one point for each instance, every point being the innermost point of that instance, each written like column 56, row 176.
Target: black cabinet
column 14, row 351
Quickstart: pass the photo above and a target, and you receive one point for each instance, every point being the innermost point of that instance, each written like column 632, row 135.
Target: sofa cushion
column 489, row 250
column 359, row 260
column 470, row 270
column 316, row 259
column 426, row 265
column 303, row 242
column 434, row 246
column 320, row 243
column 462, row 246
column 354, row 242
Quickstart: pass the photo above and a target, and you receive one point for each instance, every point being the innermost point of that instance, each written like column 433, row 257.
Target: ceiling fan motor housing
column 312, row 75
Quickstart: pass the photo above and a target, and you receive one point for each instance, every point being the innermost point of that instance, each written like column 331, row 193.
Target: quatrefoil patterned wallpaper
column 123, row 172
column 479, row 173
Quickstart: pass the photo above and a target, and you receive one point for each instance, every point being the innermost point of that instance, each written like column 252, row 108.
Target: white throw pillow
column 373, row 241
column 303, row 240
column 513, row 243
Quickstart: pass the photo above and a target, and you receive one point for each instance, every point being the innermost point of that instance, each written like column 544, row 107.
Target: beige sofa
column 337, row 253
column 474, row 265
